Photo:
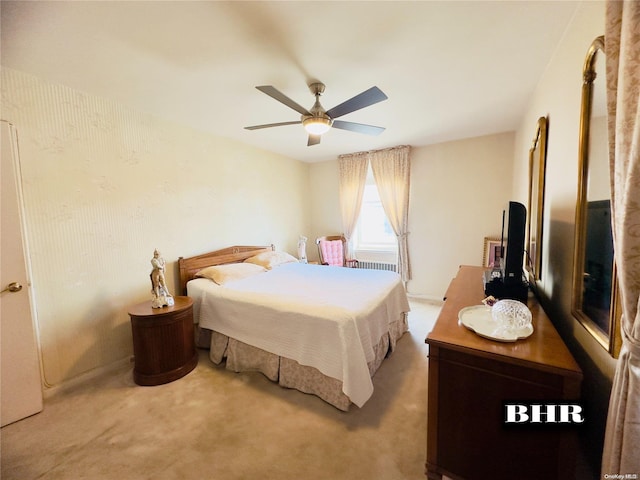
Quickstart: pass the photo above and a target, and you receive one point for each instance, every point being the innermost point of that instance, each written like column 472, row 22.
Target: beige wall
column 104, row 186
column 558, row 97
column 458, row 192
column 324, row 203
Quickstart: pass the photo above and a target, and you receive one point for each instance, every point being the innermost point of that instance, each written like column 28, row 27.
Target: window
column 373, row 231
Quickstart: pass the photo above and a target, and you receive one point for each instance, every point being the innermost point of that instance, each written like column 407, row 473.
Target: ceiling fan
column 317, row 120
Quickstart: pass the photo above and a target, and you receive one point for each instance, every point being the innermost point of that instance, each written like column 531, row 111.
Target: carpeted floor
column 216, row 424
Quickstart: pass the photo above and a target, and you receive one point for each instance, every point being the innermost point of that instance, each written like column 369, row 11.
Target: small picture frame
column 492, row 247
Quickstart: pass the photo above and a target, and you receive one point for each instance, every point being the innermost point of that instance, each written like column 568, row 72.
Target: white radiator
column 391, row 267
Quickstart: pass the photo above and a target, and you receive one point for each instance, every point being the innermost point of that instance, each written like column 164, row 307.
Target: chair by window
column 331, row 250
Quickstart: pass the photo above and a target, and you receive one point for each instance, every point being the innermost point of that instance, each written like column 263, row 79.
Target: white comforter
column 321, row 316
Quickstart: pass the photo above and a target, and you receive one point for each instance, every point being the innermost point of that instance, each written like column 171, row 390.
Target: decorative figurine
column 160, row 293
column 302, row 249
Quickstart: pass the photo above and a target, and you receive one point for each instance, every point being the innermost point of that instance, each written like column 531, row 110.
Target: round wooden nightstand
column 163, row 342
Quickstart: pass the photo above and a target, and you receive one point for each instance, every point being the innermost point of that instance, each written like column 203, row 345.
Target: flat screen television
column 513, row 272
column 507, row 280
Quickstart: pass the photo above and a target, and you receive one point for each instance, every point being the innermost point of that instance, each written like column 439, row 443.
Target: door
column 20, row 388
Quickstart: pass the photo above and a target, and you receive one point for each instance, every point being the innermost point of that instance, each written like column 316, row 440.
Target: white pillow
column 230, row 272
column 271, row 260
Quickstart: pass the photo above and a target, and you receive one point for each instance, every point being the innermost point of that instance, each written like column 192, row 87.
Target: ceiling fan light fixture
column 317, row 125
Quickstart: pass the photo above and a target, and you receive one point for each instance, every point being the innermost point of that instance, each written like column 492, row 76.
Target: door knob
column 12, row 287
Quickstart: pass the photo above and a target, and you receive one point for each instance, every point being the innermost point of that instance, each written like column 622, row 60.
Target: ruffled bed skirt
column 241, row 357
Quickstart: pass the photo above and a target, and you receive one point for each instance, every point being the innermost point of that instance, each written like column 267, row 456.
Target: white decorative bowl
column 511, row 315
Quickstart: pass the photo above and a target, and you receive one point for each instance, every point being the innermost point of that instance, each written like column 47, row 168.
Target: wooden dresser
column 469, row 379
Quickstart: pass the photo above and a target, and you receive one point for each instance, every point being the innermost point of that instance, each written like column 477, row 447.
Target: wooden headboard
column 190, row 266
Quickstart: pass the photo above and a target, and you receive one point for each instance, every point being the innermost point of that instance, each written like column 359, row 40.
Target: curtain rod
column 399, row 147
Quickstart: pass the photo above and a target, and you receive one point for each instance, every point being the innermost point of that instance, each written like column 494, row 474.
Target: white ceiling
column 451, row 69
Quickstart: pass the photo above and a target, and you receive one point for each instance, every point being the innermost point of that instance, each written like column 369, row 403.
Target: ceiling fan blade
column 269, row 125
column 282, row 98
column 313, row 140
column 365, row 99
column 358, row 127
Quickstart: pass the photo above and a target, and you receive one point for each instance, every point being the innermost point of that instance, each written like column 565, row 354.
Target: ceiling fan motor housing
column 318, row 116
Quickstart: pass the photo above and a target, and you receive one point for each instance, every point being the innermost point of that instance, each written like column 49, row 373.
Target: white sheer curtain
column 621, row 453
column 353, row 175
column 391, row 171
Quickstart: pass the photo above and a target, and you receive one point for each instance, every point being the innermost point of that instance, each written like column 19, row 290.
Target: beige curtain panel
column 621, row 455
column 353, row 175
column 392, row 172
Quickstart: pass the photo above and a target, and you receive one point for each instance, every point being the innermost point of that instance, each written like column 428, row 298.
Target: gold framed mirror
column 537, row 168
column 595, row 296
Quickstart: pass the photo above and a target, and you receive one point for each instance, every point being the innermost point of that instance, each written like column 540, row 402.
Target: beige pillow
column 230, row 272
column 271, row 260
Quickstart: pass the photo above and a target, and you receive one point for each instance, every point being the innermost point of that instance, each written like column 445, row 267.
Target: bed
column 319, row 329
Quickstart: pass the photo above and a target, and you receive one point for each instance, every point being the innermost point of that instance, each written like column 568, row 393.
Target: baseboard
column 86, row 377
column 425, row 298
